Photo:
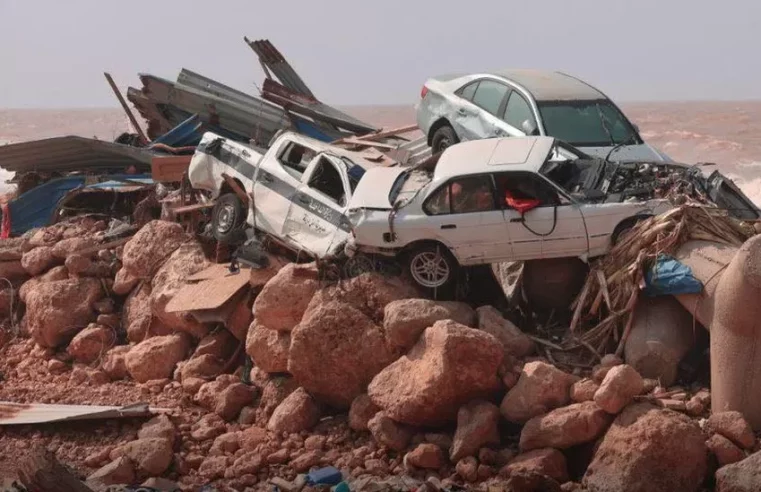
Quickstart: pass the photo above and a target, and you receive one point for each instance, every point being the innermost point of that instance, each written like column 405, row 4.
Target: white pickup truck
column 297, row 191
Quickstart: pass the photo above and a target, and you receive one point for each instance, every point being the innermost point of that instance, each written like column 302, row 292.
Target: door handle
column 517, row 219
column 449, row 226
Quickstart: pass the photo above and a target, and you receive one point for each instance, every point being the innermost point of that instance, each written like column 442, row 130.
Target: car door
column 553, row 228
column 316, row 219
column 476, row 116
column 468, row 219
column 277, row 182
column 515, row 112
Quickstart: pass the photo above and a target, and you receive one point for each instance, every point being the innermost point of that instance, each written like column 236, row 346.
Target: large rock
column 160, row 427
column 52, row 275
column 119, row 471
column 66, row 247
column 115, row 362
column 232, row 399
column 151, row 246
column 297, row 413
column 335, row 352
column 406, row 319
column 124, row 282
column 547, row 461
column 91, row 344
column 284, row 299
column 449, row 366
column 744, row 476
column 156, row 357
column 203, row 367
column 725, row 450
column 187, row 260
column 151, row 456
column 56, row 311
column 540, row 388
column 361, row 411
column 733, row 426
column 512, row 338
column 565, row 427
column 137, row 317
column 268, row 348
column 221, row 344
column 620, row 386
column 648, row 449
column 13, row 271
column 369, row 292
column 38, row 260
column 477, row 427
column 389, row 433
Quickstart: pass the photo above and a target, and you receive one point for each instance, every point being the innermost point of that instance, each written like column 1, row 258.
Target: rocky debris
column 220, row 344
column 207, row 427
column 151, row 456
column 512, row 338
column 275, row 391
column 467, row 468
column 335, row 352
column 744, row 476
column 137, row 316
column 69, row 246
column 232, row 399
column 56, row 311
column 549, row 462
column 406, row 319
column 527, row 481
column 186, row 260
column 584, row 390
column 725, row 450
column 733, row 426
column 269, row 349
column 13, row 271
column 565, row 427
column 78, row 265
column 297, row 413
column 150, row 247
column 361, row 411
column 389, row 433
column 213, row 467
column 39, row 260
column 284, row 299
column 251, row 438
column 124, row 282
column 91, row 344
column 477, row 426
column 621, row 384
column 670, row 453
column 105, row 306
column 119, row 471
column 541, row 388
column 202, row 367
column 158, row 427
column 227, row 443
column 449, row 366
column 52, row 275
column 115, row 362
column 156, row 357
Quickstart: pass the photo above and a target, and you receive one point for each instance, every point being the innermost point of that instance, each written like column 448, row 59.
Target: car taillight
column 423, row 92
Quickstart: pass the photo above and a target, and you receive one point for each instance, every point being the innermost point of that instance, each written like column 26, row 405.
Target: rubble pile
column 392, row 390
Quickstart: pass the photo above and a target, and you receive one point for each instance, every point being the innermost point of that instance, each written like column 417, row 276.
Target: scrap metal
column 38, row 413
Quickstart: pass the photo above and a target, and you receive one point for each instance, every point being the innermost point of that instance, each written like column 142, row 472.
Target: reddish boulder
column 207, row 427
column 725, row 450
column 119, row 471
column 275, row 391
column 361, row 411
column 56, row 311
column 540, row 388
column 268, row 348
column 124, row 282
column 389, row 433
column 79, row 265
column 449, row 366
column 52, row 275
column 405, row 320
column 38, row 260
column 156, row 357
column 232, row 399
column 91, row 343
column 335, row 352
column 621, row 384
column 426, row 456
column 648, row 449
column 549, row 462
column 66, row 247
column 221, row 344
column 510, row 336
column 13, row 271
column 284, row 299
column 115, row 362
column 477, row 426
column 158, row 427
column 297, row 413
column 204, row 367
column 137, row 315
column 150, row 247
column 733, row 426
column 187, row 260
column 743, row 476
column 584, row 390
column 565, row 427
column 151, row 456
column 467, row 468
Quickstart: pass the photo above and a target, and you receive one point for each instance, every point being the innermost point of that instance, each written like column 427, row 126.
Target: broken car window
column 327, row 180
column 586, row 123
column 489, row 95
column 517, row 111
column 295, row 158
column 462, row 196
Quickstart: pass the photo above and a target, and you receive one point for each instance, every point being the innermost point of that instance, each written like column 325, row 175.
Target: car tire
column 227, row 219
column 442, row 138
column 625, row 226
column 432, row 267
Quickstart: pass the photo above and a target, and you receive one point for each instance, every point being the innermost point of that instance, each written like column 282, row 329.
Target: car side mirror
column 529, row 127
column 594, row 194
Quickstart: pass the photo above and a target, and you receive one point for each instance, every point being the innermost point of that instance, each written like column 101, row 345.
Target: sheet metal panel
column 38, row 413
column 208, row 294
column 270, row 57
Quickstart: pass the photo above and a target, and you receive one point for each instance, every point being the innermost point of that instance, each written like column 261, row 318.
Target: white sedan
column 493, row 200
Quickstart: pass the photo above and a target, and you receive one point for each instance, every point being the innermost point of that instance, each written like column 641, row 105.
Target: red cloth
column 5, row 230
column 522, row 205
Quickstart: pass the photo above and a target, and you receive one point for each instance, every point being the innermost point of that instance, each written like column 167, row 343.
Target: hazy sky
column 53, row 52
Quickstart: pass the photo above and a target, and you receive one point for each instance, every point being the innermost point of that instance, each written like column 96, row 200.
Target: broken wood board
column 211, row 293
column 39, row 413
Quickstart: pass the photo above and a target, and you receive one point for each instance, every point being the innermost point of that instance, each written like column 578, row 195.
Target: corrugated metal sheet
column 272, row 59
column 38, row 413
column 65, row 154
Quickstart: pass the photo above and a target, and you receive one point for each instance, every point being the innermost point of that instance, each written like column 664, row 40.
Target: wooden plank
column 183, row 209
column 169, row 169
column 217, row 270
column 236, row 188
column 131, row 116
column 386, row 133
column 208, row 294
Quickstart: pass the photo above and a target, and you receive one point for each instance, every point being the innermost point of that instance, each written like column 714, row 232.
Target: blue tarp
column 668, row 276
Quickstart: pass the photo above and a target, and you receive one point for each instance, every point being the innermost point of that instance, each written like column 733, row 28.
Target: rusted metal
column 208, row 294
column 131, row 117
column 169, row 169
column 272, row 60
column 38, row 413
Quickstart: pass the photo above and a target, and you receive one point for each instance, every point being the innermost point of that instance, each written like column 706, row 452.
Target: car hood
column 374, row 188
column 640, row 152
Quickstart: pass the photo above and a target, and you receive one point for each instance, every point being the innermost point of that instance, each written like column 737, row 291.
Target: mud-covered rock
column 405, row 320
column 541, row 388
column 621, row 384
column 477, row 426
column 115, row 362
column 546, row 461
column 91, row 344
column 151, row 456
column 426, row 456
column 389, row 433
column 726, row 451
column 565, row 427
column 38, row 260
column 361, row 411
column 297, row 413
column 284, row 299
column 733, row 426
column 156, row 357
column 150, row 247
column 67, row 247
column 512, row 338
column 52, row 275
column 743, row 476
column 268, row 349
column 449, row 366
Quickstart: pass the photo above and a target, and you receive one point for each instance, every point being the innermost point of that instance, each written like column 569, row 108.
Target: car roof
column 493, row 155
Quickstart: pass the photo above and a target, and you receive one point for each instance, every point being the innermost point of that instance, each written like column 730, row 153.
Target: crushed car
column 296, row 192
column 509, row 199
column 511, row 103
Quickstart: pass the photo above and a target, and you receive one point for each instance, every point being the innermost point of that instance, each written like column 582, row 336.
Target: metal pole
column 126, row 108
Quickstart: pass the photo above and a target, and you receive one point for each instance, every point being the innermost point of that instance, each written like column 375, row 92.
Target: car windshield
column 587, row 123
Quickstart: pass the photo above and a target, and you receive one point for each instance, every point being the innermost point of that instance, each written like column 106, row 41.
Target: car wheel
column 624, row 227
column 227, row 218
column 432, row 267
column 442, row 138
column 357, row 265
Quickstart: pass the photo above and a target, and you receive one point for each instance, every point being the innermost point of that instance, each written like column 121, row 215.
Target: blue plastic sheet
column 668, row 277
